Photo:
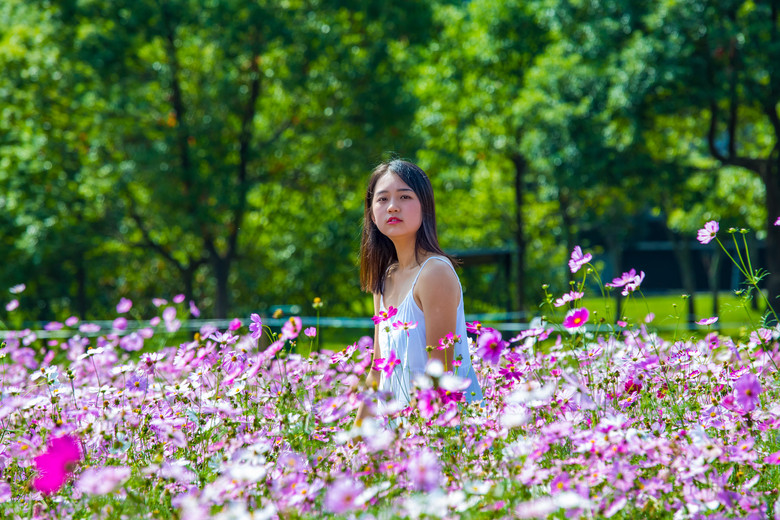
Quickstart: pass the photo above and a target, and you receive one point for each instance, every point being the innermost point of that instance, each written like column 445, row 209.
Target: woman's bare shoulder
column 438, row 278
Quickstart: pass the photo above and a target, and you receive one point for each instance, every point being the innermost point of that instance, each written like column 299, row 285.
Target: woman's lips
column 394, row 220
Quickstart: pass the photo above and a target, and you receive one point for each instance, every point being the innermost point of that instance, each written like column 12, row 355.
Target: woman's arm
column 372, row 379
column 437, row 293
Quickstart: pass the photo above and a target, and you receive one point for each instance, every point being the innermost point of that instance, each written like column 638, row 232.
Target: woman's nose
column 392, row 206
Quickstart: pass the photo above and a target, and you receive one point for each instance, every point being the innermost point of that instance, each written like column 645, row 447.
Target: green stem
column 739, row 266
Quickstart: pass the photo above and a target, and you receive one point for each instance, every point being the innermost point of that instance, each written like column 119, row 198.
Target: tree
column 483, row 51
column 197, row 116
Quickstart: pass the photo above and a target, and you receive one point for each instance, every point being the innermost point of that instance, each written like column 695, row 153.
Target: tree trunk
column 221, row 274
column 713, row 278
column 615, row 248
column 520, row 167
column 772, row 183
column 568, row 225
column 81, row 286
column 682, row 252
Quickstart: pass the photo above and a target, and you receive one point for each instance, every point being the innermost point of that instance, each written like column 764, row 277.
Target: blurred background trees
column 220, row 149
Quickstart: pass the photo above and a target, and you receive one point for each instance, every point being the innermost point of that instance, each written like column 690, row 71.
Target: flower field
column 581, row 418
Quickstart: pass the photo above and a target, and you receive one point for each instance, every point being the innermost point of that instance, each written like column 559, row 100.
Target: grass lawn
column 737, row 318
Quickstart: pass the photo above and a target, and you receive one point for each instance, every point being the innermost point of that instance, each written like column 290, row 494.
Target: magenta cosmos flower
column 777, row 222
column 234, row 325
column 56, row 464
column 387, row 365
column 707, row 321
column 578, row 259
column 747, row 389
column 576, row 318
column 385, row 315
column 708, row 232
column 490, row 345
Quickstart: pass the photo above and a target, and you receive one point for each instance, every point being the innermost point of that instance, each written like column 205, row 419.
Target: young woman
column 402, row 264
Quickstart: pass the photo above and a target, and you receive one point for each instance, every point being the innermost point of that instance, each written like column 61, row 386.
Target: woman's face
column 396, row 209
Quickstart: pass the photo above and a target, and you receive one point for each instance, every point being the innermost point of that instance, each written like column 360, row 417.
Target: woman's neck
column 407, row 254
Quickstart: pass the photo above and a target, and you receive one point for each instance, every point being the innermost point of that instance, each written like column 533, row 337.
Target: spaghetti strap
column 423, row 265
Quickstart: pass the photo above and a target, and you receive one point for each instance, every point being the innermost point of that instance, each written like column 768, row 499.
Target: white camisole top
column 409, row 346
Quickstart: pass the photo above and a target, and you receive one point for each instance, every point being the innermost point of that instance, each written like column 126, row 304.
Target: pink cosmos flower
column 89, row 328
column 747, row 389
column 56, row 464
column 226, row 338
column 578, row 259
column 12, row 305
column 576, row 318
column 291, row 328
column 560, row 483
column 405, row 326
column 273, row 349
column 132, row 342
column 194, row 309
column 137, row 382
column 540, row 333
column 387, row 365
column 343, row 496
column 629, row 281
column 73, row 320
column 178, row 298
column 490, row 345
column 706, row 234
column 424, row 470
column 16, row 289
column 474, row 327
column 120, row 323
column 707, row 321
column 773, row 458
column 448, row 341
column 365, row 343
column 777, row 222
column 233, row 363
column 568, row 297
column 53, row 325
column 124, row 305
column 427, row 402
column 385, row 315
column 169, row 314
column 256, row 327
column 310, row 332
column 101, row 481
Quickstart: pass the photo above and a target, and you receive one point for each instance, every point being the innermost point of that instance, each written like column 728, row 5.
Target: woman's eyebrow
column 387, row 191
